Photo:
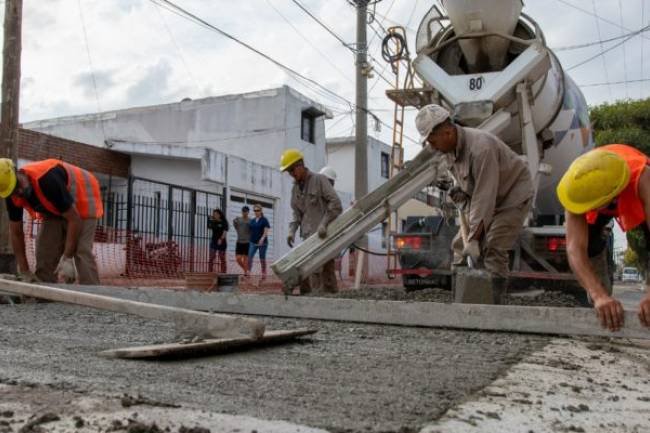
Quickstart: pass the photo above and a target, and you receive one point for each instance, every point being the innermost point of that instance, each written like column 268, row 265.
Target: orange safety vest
column 82, row 186
column 629, row 210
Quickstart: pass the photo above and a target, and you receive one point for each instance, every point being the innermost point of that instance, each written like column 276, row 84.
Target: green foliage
column 630, row 258
column 636, row 243
column 624, row 122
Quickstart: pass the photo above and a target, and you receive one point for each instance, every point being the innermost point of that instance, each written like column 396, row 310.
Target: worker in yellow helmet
column 315, row 204
column 609, row 182
column 66, row 199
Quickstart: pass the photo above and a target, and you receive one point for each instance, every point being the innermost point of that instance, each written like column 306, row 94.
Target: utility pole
column 9, row 111
column 361, row 148
column 361, row 132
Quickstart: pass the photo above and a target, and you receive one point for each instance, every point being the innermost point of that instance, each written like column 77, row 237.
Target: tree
column 625, row 122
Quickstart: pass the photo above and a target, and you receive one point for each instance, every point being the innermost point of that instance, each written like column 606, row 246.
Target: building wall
column 36, row 146
column 255, row 126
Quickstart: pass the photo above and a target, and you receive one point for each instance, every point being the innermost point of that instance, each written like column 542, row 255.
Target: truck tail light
column 408, row 242
column 555, row 244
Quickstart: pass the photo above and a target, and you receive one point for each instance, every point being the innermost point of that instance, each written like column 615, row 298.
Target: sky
column 83, row 56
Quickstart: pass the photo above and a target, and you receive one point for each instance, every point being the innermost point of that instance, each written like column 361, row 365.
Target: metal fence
column 163, row 226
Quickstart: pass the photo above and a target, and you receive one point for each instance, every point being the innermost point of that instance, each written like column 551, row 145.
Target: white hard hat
column 328, row 172
column 428, row 118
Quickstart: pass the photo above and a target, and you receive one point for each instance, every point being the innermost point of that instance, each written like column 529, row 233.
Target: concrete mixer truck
column 488, row 63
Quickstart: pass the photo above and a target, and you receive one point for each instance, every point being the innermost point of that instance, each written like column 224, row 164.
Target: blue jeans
column 252, row 249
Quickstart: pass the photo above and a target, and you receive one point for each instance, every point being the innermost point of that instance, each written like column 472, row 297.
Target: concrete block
column 475, row 286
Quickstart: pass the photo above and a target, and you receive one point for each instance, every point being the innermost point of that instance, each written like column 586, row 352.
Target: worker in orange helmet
column 608, row 182
column 67, row 200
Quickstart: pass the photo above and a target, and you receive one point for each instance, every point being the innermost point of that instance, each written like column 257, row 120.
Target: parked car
column 630, row 275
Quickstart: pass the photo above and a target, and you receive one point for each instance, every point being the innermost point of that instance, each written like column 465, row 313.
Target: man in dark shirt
column 67, row 200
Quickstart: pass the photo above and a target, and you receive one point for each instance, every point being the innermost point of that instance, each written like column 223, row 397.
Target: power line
column 642, row 45
column 595, row 15
column 608, row 49
column 607, row 83
column 92, row 69
column 591, row 44
column 602, row 47
column 330, row 31
column 178, row 48
column 346, row 76
column 620, row 11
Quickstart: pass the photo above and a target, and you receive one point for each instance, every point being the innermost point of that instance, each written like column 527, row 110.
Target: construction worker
column 608, row 182
column 67, row 200
column 315, row 204
column 329, row 173
column 493, row 183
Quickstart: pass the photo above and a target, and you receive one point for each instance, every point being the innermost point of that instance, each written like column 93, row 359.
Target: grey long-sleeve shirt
column 491, row 173
column 314, row 201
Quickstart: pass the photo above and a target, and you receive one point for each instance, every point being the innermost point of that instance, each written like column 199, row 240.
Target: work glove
column 472, row 250
column 322, row 231
column 67, row 270
column 290, row 240
column 458, row 196
column 28, row 277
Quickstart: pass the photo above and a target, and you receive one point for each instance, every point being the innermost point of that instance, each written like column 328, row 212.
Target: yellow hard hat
column 7, row 177
column 290, row 157
column 592, row 181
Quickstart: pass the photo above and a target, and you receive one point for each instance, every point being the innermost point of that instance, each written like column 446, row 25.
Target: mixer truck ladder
column 395, row 54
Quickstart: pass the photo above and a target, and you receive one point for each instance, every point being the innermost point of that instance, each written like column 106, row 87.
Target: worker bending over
column 493, row 182
column 315, row 204
column 609, row 182
column 67, row 199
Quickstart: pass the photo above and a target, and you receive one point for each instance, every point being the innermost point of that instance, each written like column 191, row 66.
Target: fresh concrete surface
column 569, row 386
column 346, row 378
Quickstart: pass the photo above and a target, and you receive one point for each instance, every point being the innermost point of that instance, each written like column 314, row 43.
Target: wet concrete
column 346, row 378
column 534, row 298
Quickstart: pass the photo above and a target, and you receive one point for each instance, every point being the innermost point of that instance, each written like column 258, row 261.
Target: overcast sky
column 142, row 54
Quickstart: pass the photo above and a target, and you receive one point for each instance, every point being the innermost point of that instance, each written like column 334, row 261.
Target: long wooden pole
column 9, row 111
column 187, row 321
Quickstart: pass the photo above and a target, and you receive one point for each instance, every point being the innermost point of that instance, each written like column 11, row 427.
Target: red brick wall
column 35, row 146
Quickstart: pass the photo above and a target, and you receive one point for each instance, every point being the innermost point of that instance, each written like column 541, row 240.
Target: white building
column 229, row 145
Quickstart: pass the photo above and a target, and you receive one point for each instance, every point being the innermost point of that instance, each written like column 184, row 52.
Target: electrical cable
column 330, row 31
column 591, row 44
column 642, row 47
column 564, row 2
column 178, row 48
column 607, row 83
column 371, row 252
column 92, row 69
column 620, row 11
column 632, row 35
column 343, row 74
column 602, row 48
